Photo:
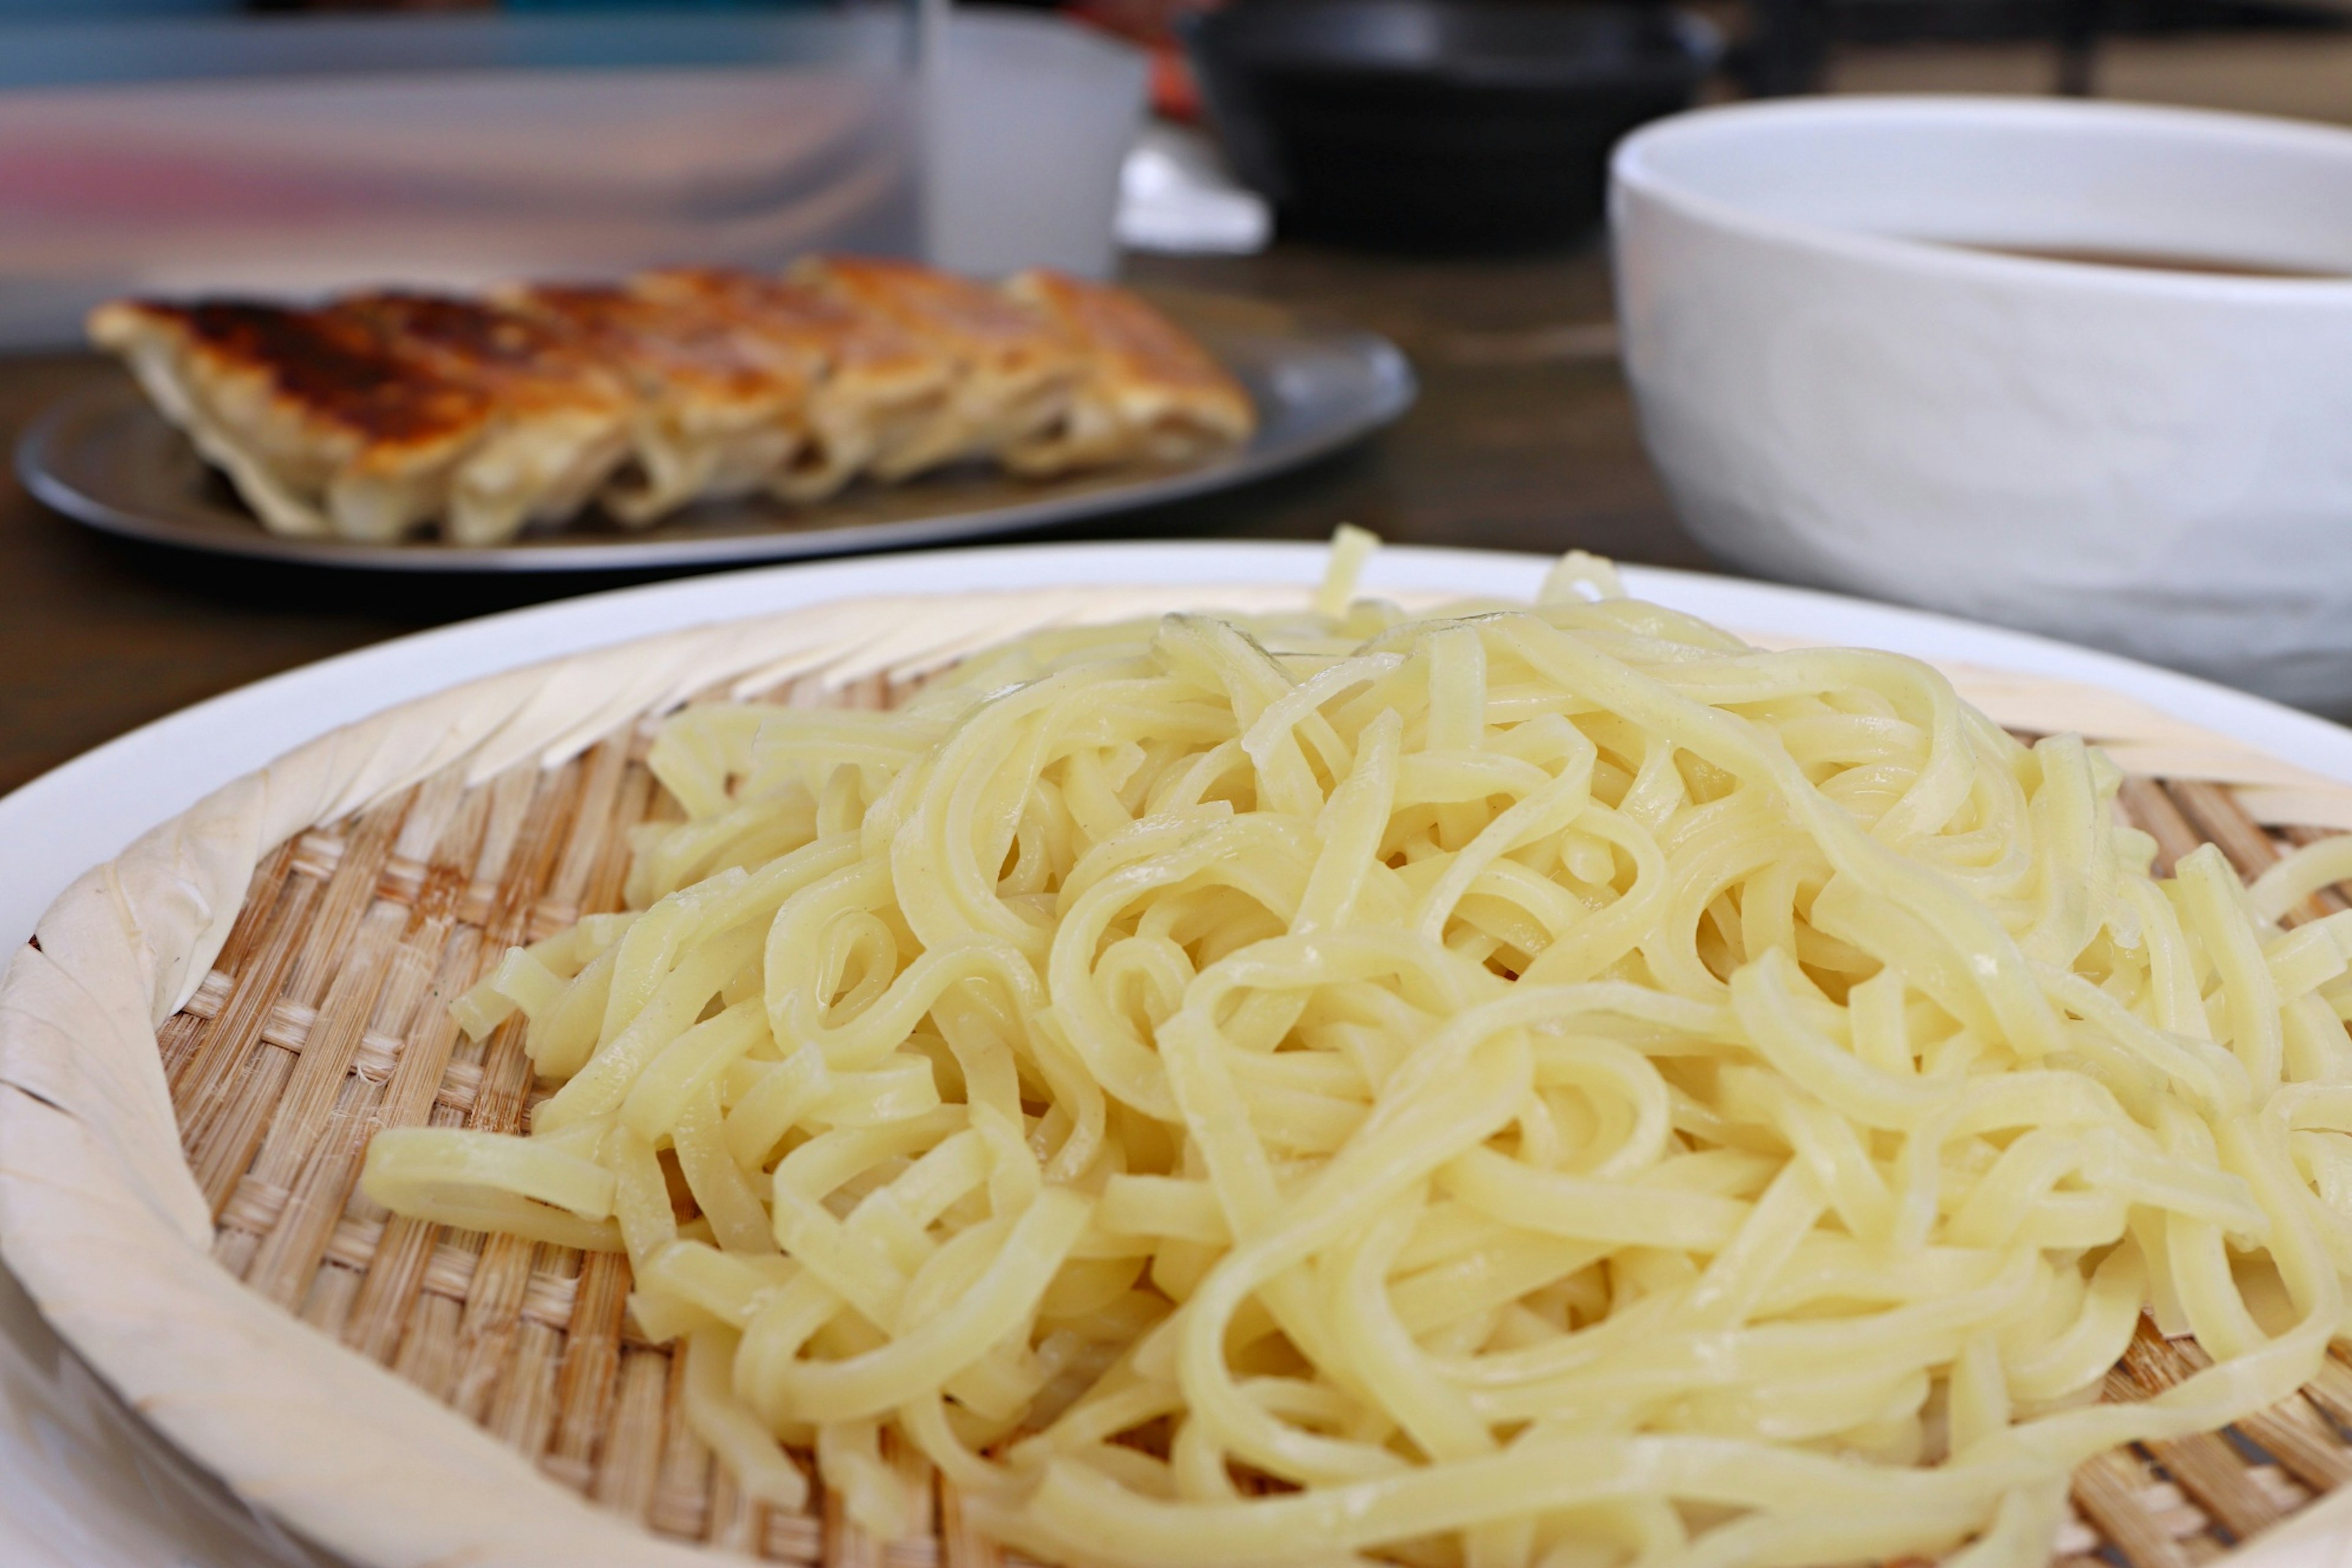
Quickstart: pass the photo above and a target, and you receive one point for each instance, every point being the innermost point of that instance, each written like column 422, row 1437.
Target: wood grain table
column 1524, row 438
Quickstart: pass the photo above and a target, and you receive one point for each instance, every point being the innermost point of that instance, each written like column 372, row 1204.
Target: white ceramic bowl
column 2156, row 462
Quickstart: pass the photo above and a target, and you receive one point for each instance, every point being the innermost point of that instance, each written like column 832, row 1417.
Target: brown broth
column 2147, row 262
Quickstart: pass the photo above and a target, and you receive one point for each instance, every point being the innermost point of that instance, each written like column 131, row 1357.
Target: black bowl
column 1441, row 125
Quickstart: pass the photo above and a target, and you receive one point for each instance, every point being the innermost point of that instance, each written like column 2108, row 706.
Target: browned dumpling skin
column 322, row 427
column 388, row 411
column 873, row 385
column 1014, row 370
column 718, row 412
column 562, row 415
column 1147, row 391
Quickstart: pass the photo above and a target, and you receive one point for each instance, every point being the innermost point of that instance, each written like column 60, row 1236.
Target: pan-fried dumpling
column 370, row 415
column 321, row 427
column 561, row 417
column 1013, row 370
column 719, row 413
column 1147, row 391
column 873, row 385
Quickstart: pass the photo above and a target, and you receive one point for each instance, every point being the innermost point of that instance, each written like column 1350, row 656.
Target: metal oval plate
column 105, row 457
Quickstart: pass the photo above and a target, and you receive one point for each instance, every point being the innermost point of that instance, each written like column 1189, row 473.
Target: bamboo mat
column 325, row 1018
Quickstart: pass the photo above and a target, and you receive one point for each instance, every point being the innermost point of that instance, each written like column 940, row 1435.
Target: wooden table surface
column 1524, row 438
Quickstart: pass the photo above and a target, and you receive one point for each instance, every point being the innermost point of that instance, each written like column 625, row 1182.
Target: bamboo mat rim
column 100, row 1217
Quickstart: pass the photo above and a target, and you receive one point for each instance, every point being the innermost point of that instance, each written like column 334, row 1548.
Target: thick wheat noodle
column 1550, row 1086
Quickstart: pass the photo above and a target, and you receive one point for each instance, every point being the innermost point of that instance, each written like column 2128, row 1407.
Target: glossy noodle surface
column 1553, row 1085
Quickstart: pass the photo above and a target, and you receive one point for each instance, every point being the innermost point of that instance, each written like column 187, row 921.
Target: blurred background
column 1429, row 170
column 293, row 145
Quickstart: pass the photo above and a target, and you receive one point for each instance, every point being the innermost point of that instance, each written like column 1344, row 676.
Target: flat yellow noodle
column 1546, row 1086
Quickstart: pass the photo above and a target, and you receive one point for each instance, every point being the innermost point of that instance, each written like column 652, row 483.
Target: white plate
column 83, row 1482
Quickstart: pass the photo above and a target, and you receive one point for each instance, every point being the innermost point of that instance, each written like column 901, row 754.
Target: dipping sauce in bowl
column 2085, row 369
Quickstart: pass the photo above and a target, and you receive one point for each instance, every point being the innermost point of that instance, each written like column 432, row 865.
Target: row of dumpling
column 380, row 414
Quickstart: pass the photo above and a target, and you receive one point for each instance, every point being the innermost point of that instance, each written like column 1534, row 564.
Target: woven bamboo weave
column 321, row 1016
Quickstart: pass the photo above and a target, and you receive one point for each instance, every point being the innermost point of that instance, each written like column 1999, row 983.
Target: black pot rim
column 1686, row 49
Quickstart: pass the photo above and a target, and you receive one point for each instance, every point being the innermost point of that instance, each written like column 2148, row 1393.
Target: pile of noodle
column 1555, row 1085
